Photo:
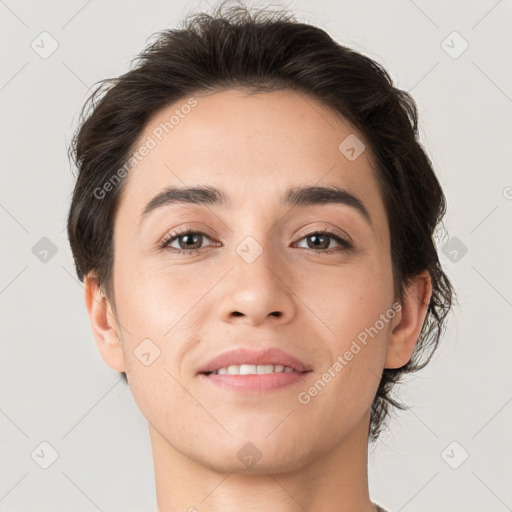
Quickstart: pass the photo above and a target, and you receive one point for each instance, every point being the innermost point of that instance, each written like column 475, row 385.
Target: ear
column 104, row 325
column 409, row 321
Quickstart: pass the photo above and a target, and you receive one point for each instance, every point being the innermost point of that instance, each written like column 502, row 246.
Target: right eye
column 188, row 241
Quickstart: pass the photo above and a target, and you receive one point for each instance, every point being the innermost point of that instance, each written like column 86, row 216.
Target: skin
column 194, row 307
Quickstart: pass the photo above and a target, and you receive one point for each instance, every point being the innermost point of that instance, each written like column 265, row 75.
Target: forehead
column 250, row 145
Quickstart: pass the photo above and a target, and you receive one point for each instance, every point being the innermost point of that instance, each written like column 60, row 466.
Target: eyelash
column 345, row 244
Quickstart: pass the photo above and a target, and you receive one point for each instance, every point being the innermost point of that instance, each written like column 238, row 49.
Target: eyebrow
column 295, row 196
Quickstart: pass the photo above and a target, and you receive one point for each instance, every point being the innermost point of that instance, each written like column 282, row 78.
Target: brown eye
column 321, row 242
column 318, row 241
column 188, row 241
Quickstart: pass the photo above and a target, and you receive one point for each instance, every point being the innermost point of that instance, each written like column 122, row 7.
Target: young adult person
column 253, row 220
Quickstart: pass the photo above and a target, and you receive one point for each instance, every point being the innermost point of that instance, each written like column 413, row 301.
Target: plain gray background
column 55, row 389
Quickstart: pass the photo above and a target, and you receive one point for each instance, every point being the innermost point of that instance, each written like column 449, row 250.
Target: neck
column 337, row 481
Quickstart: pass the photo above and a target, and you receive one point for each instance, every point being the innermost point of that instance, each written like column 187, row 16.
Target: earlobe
column 412, row 315
column 104, row 325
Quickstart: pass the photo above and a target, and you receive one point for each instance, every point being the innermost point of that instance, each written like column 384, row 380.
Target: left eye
column 322, row 240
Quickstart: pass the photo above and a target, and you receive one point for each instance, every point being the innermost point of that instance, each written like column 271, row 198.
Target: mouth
column 254, row 371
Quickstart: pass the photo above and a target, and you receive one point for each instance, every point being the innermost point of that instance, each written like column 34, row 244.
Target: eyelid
column 187, row 228
column 182, row 231
column 345, row 243
column 335, row 231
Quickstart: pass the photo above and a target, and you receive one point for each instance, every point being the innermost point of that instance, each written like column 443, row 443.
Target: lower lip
column 255, row 383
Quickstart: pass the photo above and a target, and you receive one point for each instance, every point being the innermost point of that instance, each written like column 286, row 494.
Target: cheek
column 159, row 312
column 353, row 307
column 349, row 298
column 344, row 388
column 152, row 301
column 153, row 311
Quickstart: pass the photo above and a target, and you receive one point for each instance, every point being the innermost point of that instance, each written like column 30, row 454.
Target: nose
column 259, row 291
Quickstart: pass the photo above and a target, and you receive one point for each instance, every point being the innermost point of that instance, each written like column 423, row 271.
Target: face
column 254, row 272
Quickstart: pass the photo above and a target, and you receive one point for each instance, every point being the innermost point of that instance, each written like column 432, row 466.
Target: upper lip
column 240, row 356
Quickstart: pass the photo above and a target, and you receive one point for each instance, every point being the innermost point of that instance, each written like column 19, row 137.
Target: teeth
column 252, row 369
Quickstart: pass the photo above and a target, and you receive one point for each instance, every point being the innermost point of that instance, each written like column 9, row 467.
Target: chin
column 254, row 455
column 275, row 461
